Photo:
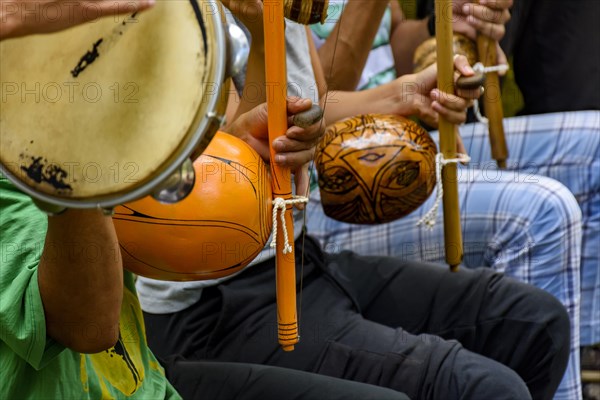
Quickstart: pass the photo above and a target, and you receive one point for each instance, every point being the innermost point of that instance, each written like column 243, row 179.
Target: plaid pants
column 565, row 147
column 515, row 221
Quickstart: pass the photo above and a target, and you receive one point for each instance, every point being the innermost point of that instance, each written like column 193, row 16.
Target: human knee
column 478, row 377
column 540, row 224
column 520, row 301
column 500, row 383
column 555, row 318
column 559, row 205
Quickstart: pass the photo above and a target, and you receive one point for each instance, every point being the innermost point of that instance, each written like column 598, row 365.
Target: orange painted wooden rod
column 276, row 79
column 445, row 64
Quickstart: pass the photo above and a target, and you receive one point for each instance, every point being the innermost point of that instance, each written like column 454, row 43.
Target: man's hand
column 428, row 102
column 28, row 17
column 488, row 17
column 293, row 150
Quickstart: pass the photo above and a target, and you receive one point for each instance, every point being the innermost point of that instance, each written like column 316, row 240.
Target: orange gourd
column 215, row 231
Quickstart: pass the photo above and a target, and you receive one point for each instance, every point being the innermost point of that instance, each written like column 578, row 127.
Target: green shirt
column 33, row 365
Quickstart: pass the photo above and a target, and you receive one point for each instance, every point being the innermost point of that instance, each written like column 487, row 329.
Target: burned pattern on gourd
column 374, row 168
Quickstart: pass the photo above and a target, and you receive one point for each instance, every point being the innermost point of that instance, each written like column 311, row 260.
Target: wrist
column 257, row 35
column 405, row 91
column 81, row 220
column 232, row 128
column 239, row 127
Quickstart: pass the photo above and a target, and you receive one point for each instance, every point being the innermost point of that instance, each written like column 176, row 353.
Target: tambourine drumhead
column 119, row 126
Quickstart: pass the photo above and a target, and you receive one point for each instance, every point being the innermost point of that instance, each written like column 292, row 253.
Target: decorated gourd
column 374, row 168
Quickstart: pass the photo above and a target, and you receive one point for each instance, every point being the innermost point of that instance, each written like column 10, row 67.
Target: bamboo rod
column 445, row 64
column 492, row 100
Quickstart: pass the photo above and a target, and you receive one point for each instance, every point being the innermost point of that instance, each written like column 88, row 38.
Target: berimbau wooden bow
column 445, row 66
column 276, row 79
column 492, row 100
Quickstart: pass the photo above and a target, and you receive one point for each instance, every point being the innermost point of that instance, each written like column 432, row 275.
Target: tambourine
column 374, row 168
column 112, row 110
column 215, row 231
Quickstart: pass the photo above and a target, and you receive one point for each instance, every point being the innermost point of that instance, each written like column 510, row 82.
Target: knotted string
column 478, row 67
column 279, row 203
column 430, row 216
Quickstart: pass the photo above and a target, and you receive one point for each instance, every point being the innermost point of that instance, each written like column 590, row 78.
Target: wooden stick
column 492, row 100
column 445, row 64
column 276, row 86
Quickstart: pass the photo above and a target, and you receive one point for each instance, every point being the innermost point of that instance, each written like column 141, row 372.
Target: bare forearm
column 254, row 92
column 390, row 98
column 80, row 278
column 345, row 52
column 406, row 37
column 24, row 17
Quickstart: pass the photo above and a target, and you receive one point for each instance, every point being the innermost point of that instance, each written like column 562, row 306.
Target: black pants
column 209, row 380
column 412, row 327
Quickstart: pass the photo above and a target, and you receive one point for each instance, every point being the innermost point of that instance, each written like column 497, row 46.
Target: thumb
column 296, row 105
column 258, row 121
column 427, row 78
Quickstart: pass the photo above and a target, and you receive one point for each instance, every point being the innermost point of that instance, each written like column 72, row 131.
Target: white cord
column 279, row 203
column 477, row 112
column 478, row 67
column 430, row 216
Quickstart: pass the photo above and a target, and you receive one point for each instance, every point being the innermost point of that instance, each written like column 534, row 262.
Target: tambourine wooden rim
column 204, row 125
